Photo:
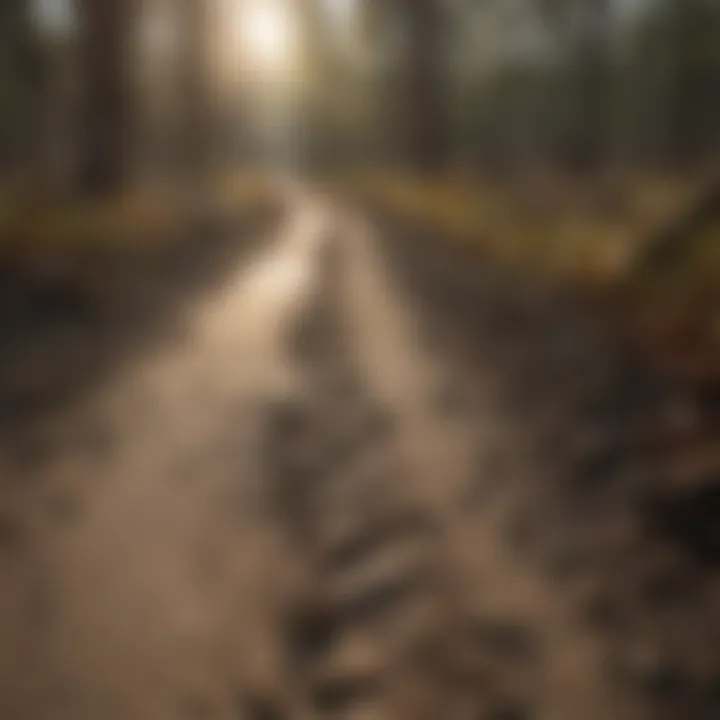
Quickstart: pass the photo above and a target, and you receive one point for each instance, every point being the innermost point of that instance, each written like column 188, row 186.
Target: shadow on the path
column 61, row 333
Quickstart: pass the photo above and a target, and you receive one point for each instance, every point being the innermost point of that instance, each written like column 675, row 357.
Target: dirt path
column 350, row 489
column 140, row 569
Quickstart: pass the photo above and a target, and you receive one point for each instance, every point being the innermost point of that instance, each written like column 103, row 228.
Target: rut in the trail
column 363, row 637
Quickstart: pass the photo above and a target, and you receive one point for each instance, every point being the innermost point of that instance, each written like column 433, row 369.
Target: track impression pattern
column 365, row 635
column 537, row 594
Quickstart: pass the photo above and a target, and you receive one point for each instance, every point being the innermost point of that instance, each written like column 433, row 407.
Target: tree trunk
column 21, row 87
column 587, row 142
column 197, row 131
column 425, row 108
column 106, row 29
column 330, row 90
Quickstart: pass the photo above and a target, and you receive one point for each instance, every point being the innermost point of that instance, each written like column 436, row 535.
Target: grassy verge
column 596, row 243
column 77, row 242
column 144, row 220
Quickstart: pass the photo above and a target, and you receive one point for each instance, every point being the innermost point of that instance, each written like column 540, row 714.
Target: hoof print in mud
column 339, row 694
column 506, row 641
column 568, row 563
column 310, row 632
column 379, row 423
column 288, row 418
column 650, row 670
column 259, row 708
column 508, row 711
column 691, row 519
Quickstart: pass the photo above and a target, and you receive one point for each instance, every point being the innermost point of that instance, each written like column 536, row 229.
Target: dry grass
column 590, row 240
column 146, row 219
column 544, row 224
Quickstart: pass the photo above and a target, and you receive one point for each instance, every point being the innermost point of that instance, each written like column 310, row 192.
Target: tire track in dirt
column 373, row 604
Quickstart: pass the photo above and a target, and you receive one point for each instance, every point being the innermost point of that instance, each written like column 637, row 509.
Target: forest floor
column 597, row 240
column 641, row 254
column 314, row 463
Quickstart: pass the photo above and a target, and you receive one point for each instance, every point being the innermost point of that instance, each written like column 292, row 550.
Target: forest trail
column 362, row 482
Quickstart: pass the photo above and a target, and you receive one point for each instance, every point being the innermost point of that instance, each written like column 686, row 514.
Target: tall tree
column 590, row 87
column 379, row 61
column 21, row 80
column 323, row 87
column 106, row 29
column 196, row 83
column 425, row 120
column 695, row 78
column 670, row 80
column 582, row 32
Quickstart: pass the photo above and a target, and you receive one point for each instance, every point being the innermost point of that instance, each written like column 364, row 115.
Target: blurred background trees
column 105, row 31
column 565, row 86
column 22, row 80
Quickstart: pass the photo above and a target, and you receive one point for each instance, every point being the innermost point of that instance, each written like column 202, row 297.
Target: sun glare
column 266, row 32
